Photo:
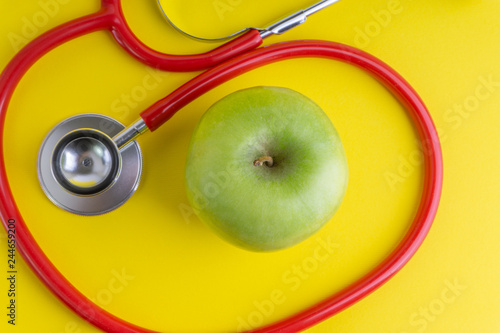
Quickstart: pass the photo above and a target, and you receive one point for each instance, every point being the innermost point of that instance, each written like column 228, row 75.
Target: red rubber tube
column 107, row 18
column 176, row 63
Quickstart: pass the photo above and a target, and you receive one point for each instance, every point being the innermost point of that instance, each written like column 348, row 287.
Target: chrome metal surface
column 86, row 161
column 130, row 133
column 319, row 6
column 278, row 28
column 109, row 186
column 295, row 19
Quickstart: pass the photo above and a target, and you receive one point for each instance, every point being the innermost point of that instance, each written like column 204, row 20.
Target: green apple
column 266, row 168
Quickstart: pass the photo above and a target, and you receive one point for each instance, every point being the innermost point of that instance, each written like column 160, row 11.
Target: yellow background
column 179, row 276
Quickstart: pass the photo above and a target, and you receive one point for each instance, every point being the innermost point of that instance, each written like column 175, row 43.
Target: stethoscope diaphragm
column 82, row 170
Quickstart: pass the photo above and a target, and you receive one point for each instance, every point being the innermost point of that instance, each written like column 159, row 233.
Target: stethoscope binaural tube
column 166, row 108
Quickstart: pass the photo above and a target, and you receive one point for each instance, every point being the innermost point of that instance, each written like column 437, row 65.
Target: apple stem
column 268, row 160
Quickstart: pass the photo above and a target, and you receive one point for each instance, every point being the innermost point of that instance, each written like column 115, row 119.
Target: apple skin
column 263, row 208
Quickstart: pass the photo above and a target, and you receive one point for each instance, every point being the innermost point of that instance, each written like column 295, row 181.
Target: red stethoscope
column 236, row 57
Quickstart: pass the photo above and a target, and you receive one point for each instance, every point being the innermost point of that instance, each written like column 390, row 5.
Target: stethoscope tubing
column 110, row 17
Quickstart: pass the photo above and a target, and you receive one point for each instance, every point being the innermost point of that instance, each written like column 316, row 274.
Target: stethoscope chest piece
column 81, row 169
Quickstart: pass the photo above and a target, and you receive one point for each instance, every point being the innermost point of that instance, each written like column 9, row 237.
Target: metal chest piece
column 82, row 170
